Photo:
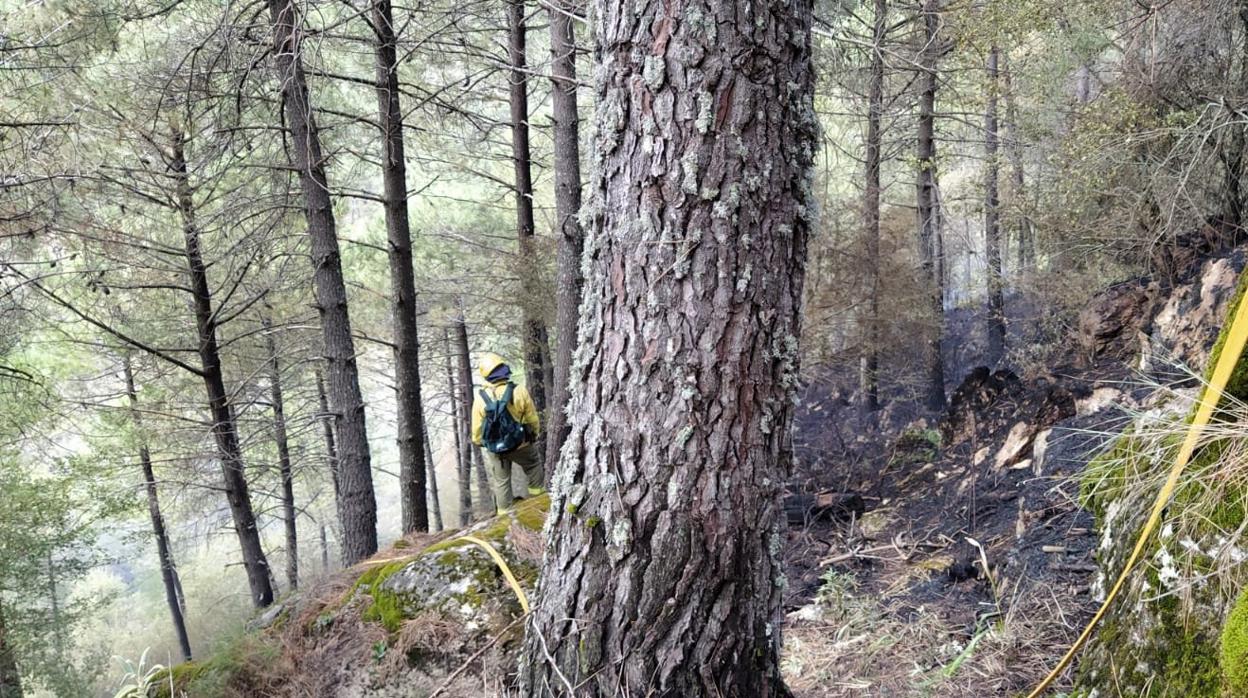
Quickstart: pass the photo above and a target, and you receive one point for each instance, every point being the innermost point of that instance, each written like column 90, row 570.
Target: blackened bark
column 168, row 570
column 928, row 206
column 224, row 429
column 568, row 232
column 992, row 217
column 435, row 502
column 411, row 427
column 327, row 432
column 324, row 551
column 536, row 345
column 357, row 504
column 663, row 573
column 871, row 211
column 284, row 467
column 10, row 677
column 462, row 442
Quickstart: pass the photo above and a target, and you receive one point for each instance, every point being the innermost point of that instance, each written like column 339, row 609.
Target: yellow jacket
column 521, row 406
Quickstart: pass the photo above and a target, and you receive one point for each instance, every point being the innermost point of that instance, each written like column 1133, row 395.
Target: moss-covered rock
column 1162, row 636
column 1234, row 647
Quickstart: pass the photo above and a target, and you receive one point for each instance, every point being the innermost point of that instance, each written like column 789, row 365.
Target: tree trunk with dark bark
column 357, row 504
column 536, row 344
column 568, row 232
column 992, row 217
column 411, row 428
column 435, row 502
column 284, row 467
column 168, row 570
column 224, row 428
column 485, row 497
column 928, row 206
column 663, row 572
column 462, row 442
column 10, row 677
column 327, row 432
column 871, row 211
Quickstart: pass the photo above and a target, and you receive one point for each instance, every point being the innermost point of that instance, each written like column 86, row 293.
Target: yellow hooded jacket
column 521, row 406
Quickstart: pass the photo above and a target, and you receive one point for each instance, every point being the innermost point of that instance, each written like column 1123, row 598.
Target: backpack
column 500, row 432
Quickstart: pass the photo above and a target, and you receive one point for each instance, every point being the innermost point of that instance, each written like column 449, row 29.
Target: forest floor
column 971, row 570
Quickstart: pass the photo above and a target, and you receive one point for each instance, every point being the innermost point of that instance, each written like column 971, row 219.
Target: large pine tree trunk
column 224, row 428
column 284, row 466
column 928, row 206
column 663, row 575
column 571, row 237
column 10, row 677
column 992, row 217
column 871, row 212
column 168, row 570
column 357, row 505
column 411, row 428
column 462, row 442
column 536, row 346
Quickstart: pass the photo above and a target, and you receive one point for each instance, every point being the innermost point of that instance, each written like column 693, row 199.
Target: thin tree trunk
column 58, row 629
column 662, row 575
column 357, row 504
column 485, row 496
column 324, row 551
column 411, row 429
column 10, row 677
column 327, row 431
column 289, row 513
column 462, row 441
column 992, row 218
column 224, row 428
column 570, row 236
column 1025, row 252
column 435, row 502
column 871, row 210
column 168, row 570
column 928, row 207
column 536, row 346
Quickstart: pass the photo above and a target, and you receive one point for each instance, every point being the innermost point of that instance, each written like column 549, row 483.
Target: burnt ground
column 970, row 571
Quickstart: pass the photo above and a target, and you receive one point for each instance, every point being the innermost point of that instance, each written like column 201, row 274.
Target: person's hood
column 487, row 362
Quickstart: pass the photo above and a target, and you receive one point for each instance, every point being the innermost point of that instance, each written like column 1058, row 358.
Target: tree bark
column 992, row 218
column 327, row 432
column 871, row 210
column 411, row 428
column 435, row 503
column 10, row 677
column 570, row 236
column 462, row 441
column 357, row 504
column 285, row 470
column 663, row 572
column 536, row 346
column 224, row 428
column 928, row 206
column 324, row 551
column 168, row 570
column 485, row 496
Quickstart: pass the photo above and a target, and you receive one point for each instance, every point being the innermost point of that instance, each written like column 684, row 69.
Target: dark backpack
column 500, row 432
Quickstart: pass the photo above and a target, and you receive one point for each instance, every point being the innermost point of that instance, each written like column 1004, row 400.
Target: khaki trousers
column 499, row 467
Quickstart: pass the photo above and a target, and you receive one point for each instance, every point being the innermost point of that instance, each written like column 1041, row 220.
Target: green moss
column 227, row 672
column 593, row 521
column 1237, row 386
column 1234, row 646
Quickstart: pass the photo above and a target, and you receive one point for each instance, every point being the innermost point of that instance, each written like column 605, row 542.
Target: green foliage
column 1233, row 651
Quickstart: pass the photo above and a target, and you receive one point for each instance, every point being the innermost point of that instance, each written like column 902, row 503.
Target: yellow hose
column 502, row 565
column 1232, row 348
